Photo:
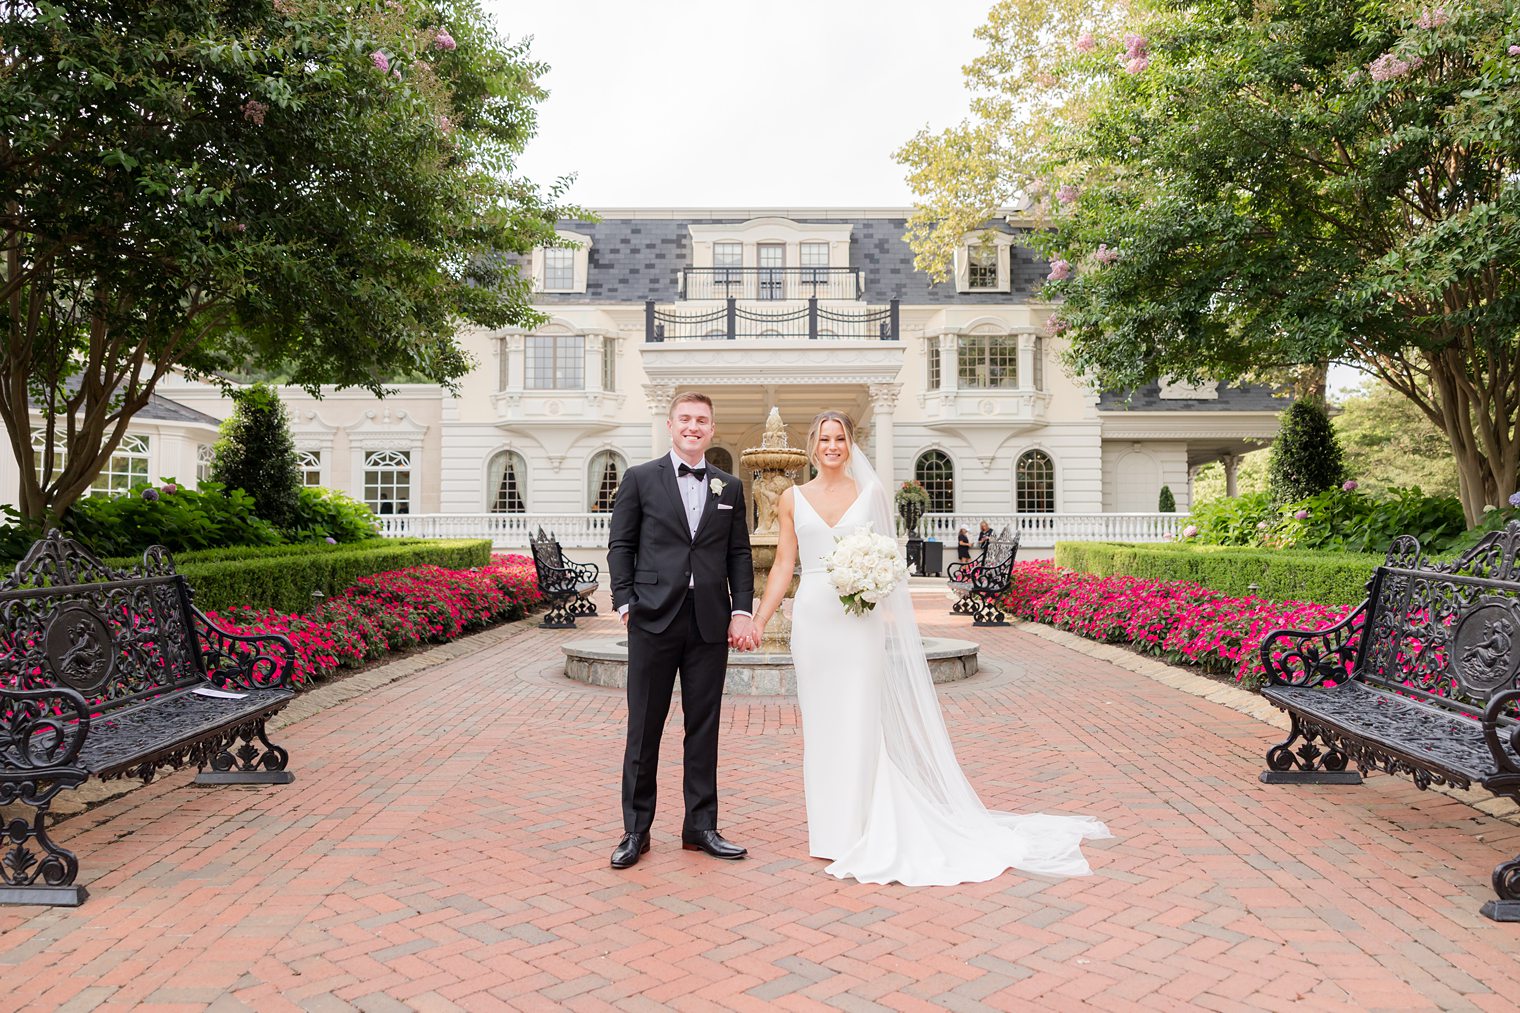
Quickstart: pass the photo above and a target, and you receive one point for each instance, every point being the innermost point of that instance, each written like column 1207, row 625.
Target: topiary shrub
column 1167, row 503
column 256, row 454
column 1306, row 456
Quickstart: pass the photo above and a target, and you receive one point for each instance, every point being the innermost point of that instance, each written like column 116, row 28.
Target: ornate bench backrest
column 997, row 571
column 116, row 636
column 549, row 562
column 1446, row 632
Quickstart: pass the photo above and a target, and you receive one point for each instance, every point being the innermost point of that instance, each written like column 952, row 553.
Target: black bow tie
column 687, row 469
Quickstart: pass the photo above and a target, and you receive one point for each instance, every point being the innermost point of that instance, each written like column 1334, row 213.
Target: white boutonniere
column 716, row 485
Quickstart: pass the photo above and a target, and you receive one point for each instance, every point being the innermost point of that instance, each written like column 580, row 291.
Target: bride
column 886, row 798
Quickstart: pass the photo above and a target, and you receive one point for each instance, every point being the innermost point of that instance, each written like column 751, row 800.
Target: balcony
column 729, row 321
column 771, row 284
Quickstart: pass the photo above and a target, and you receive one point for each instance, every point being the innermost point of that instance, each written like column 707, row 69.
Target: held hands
column 743, row 635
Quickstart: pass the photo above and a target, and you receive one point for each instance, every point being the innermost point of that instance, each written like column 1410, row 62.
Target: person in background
column 984, row 535
column 963, row 546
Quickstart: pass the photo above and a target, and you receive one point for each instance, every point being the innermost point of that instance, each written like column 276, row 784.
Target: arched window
column 605, row 474
column 504, row 483
column 720, row 459
column 1034, row 483
column 935, row 472
column 204, row 455
column 310, row 463
column 388, row 481
column 127, row 467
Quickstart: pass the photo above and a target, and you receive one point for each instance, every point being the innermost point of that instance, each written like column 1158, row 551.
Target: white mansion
column 957, row 384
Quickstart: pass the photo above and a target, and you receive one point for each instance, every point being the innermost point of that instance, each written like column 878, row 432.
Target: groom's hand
column 741, row 633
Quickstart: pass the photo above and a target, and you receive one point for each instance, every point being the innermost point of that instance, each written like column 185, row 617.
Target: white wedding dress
column 886, row 798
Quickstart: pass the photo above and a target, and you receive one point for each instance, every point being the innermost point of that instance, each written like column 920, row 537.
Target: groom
column 679, row 557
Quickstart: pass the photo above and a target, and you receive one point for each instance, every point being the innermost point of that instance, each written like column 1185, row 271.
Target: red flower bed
column 395, row 610
column 1174, row 619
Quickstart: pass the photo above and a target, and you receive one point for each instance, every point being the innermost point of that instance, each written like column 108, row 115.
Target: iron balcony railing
column 774, row 284
column 731, row 321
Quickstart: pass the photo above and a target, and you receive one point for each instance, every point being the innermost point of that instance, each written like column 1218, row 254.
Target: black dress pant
column 654, row 659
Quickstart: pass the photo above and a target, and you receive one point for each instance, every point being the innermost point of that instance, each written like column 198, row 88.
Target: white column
column 659, row 396
column 595, row 349
column 1231, row 464
column 883, row 403
column 514, row 373
column 1026, row 361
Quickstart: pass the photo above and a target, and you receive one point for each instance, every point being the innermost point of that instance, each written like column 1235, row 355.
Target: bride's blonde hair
column 816, row 430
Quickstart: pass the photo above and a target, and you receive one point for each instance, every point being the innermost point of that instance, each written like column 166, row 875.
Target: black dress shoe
column 711, row 842
column 629, row 849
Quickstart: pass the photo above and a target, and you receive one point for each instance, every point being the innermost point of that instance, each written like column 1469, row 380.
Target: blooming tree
column 319, row 189
column 1285, row 185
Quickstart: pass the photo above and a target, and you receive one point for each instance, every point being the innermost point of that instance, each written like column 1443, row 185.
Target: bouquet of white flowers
column 864, row 568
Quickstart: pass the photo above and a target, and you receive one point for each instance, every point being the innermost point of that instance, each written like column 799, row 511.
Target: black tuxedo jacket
column 652, row 555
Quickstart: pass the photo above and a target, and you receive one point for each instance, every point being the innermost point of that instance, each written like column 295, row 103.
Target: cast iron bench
column 567, row 586
column 981, row 581
column 115, row 673
column 1426, row 676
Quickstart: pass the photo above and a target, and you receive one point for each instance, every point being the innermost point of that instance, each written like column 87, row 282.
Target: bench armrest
column 1309, row 657
column 582, row 571
column 956, row 570
column 244, row 661
column 41, row 732
column 1496, row 732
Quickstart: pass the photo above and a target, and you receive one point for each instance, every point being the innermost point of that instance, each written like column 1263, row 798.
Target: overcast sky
column 738, row 103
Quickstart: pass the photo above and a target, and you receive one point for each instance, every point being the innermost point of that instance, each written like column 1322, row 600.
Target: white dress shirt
column 694, row 492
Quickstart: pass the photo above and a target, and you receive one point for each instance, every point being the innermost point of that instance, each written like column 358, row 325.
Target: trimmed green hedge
column 1329, row 578
column 283, row 577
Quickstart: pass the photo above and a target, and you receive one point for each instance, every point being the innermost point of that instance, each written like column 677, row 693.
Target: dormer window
column 983, row 267
column 562, row 268
column 559, row 269
column 983, row 263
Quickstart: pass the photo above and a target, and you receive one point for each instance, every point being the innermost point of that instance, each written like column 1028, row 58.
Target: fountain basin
column 604, row 662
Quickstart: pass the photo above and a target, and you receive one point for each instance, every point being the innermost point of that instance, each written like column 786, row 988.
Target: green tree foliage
column 1388, row 443
column 316, row 189
column 1231, row 188
column 257, row 455
column 1306, row 458
column 1166, row 503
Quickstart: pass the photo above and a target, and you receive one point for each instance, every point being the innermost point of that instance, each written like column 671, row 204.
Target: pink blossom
column 380, row 60
column 445, row 124
column 1060, row 270
column 443, row 40
column 1433, row 17
column 1349, row 485
column 1104, row 255
column 1135, row 44
column 1137, row 65
column 1055, row 323
column 254, row 110
column 1086, row 43
column 1067, row 194
column 240, row 227
column 1190, row 531
column 170, row 489
column 1302, row 515
column 396, row 73
column 1514, row 50
column 1388, row 67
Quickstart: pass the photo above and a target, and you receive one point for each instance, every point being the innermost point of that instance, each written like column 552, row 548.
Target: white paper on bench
column 220, row 694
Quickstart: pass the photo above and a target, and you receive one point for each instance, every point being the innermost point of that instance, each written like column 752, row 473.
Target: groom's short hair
column 693, row 396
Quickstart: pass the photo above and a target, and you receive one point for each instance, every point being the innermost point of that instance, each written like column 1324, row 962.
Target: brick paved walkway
column 446, row 842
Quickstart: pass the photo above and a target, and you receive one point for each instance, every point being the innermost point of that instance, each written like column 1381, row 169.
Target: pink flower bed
column 1177, row 620
column 393, row 611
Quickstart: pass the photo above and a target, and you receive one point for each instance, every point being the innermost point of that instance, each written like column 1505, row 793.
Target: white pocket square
column 725, row 506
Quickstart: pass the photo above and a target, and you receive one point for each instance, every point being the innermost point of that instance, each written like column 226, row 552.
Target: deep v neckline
column 831, row 527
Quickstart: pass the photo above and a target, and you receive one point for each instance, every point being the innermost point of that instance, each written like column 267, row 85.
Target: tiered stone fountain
column 767, row 671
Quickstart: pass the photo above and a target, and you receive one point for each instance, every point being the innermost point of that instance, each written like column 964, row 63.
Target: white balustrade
column 507, row 531
column 590, row 530
column 1042, row 531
